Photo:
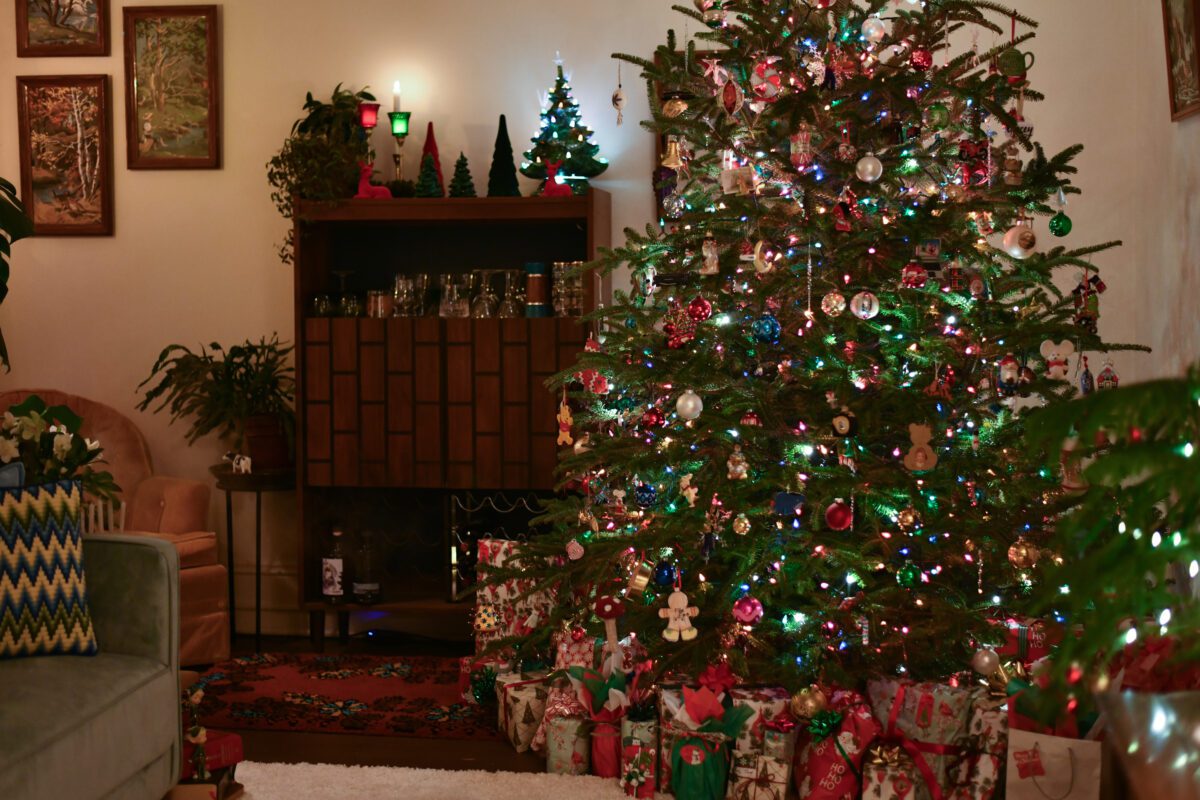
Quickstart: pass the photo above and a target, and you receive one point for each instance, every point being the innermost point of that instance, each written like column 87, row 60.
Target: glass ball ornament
column 689, row 405
column 908, row 519
column 921, row 59
column 833, row 304
column 937, row 116
column 874, row 29
column 909, row 575
column 645, row 495
column 741, row 525
column 574, row 550
column 1060, row 224
column 807, row 703
column 748, row 610
column 869, row 168
column 674, row 206
column 664, row 573
column 1020, row 241
column 752, row 420
column 766, row 328
column 653, row 417
column 699, row 309
column 985, row 661
column 838, row 515
column 1023, row 554
column 864, row 305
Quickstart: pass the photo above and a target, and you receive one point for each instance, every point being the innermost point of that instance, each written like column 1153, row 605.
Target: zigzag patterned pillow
column 43, row 595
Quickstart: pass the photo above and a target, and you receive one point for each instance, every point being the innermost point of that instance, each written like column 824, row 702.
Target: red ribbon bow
column 893, row 735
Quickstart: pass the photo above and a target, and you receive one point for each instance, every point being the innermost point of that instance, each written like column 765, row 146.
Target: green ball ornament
column 909, row 575
column 1060, row 224
column 937, row 116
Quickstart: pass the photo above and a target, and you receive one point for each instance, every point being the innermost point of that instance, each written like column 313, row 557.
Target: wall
column 193, row 259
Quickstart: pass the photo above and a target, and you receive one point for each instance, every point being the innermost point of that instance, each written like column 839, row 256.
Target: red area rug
column 380, row 695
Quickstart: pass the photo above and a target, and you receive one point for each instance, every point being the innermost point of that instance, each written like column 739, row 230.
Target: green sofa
column 103, row 726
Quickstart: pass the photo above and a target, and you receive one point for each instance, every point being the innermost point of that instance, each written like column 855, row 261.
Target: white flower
column 62, row 445
column 92, row 444
column 10, row 422
column 8, row 450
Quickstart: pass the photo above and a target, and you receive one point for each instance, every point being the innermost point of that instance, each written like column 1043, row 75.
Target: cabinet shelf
column 451, row 209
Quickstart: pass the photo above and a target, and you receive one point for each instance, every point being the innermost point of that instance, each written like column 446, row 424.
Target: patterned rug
column 364, row 694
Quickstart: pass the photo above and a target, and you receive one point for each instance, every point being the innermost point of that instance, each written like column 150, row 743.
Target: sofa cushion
column 81, row 727
column 43, row 591
column 198, row 549
column 168, row 505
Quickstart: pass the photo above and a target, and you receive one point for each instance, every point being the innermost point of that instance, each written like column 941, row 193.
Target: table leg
column 343, row 626
column 258, row 572
column 229, row 565
column 316, row 630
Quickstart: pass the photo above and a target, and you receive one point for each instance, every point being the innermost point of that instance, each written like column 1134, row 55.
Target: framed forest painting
column 1181, row 19
column 66, row 154
column 172, row 97
column 62, row 28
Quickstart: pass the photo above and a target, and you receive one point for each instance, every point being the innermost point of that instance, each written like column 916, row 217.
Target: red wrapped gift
column 639, row 763
column 1147, row 667
column 469, row 665
column 1027, row 639
column 829, row 759
column 220, row 750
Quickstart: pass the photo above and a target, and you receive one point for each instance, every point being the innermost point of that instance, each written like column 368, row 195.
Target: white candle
column 396, row 96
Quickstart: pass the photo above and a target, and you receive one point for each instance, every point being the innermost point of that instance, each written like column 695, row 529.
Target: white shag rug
column 336, row 782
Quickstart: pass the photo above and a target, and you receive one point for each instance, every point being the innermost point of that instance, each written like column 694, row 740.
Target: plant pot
column 265, row 443
column 1153, row 736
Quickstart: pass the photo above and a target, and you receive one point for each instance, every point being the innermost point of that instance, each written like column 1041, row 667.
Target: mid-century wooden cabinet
column 394, row 414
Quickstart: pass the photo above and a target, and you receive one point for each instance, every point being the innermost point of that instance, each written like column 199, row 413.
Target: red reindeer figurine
column 552, row 188
column 365, row 189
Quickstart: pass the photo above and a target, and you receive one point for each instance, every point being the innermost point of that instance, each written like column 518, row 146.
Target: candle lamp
column 399, row 120
column 368, row 115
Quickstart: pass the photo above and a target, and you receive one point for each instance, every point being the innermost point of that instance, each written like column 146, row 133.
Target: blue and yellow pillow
column 43, row 594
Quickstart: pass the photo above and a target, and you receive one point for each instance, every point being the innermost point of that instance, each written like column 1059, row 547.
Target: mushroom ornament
column 609, row 608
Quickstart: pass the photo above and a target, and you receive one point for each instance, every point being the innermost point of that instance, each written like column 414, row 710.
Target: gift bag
column 606, row 750
column 1042, row 766
column 639, row 766
column 831, row 749
column 567, row 746
column 699, row 765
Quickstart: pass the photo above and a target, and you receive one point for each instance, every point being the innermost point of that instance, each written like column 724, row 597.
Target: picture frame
column 172, row 87
column 65, row 131
column 1181, row 28
column 80, row 28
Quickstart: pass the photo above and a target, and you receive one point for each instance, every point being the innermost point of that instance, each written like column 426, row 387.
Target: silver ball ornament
column 689, row 405
column 869, row 168
column 985, row 661
column 1020, row 241
column 874, row 29
column 864, row 305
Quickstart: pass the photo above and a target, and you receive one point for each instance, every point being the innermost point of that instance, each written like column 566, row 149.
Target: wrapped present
column 832, row 746
column 765, row 705
column 220, row 750
column 568, row 745
column 890, row 774
column 700, row 726
column 502, row 609
column 768, row 781
column 1027, row 639
column 978, row 774
column 639, row 766
column 473, row 679
column 642, row 731
column 605, row 698
column 1150, row 665
column 561, row 701
column 929, row 722
column 522, row 703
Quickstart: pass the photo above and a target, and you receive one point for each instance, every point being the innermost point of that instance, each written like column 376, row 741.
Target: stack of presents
column 709, row 737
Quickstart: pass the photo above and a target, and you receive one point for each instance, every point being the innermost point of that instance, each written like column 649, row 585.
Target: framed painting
column 62, row 28
column 172, row 91
column 66, row 154
column 1181, row 21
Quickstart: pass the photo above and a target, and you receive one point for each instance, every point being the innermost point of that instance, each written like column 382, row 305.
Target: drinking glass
column 456, row 296
column 402, row 296
column 485, row 303
column 420, row 290
column 511, row 307
column 322, row 305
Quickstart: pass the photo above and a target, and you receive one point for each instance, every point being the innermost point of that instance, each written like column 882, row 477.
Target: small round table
column 267, row 480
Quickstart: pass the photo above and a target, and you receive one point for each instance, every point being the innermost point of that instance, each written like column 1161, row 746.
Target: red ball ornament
column 839, row 516
column 699, row 309
column 577, row 634
column 751, row 419
column 921, row 59
column 653, row 417
column 913, row 276
column 748, row 610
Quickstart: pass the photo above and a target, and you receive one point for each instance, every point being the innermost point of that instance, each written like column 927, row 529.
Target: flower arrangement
column 45, row 442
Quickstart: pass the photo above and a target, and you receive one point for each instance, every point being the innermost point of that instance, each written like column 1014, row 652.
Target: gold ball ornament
column 807, row 703
column 908, row 519
column 741, row 525
column 1023, row 554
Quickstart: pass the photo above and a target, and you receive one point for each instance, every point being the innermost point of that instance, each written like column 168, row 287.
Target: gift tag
column 1029, row 762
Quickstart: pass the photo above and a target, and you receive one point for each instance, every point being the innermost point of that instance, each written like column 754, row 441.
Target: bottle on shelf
column 333, row 571
column 365, row 586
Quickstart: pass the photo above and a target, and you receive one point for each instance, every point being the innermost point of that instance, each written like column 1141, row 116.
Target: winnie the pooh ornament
column 678, row 615
column 921, row 457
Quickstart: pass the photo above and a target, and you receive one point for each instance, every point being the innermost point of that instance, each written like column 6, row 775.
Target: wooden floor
column 394, row 751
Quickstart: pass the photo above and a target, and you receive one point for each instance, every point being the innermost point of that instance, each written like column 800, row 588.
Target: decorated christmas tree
column 431, row 151
column 461, row 183
column 502, row 177
column 563, row 137
column 800, row 439
column 428, row 184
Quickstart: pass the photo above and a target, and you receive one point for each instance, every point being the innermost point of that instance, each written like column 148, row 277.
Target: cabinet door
column 414, row 397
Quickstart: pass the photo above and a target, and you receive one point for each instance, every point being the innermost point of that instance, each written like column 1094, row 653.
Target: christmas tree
column 563, row 137
column 502, row 177
column 461, row 183
column 431, row 151
column 800, row 439
column 428, row 184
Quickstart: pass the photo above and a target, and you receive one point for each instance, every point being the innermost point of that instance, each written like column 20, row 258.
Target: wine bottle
column 333, row 570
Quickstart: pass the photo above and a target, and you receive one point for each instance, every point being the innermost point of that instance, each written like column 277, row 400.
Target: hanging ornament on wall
column 833, row 304
column 689, row 406
column 1020, row 241
column 838, row 515
column 748, row 610
column 869, row 168
column 864, row 305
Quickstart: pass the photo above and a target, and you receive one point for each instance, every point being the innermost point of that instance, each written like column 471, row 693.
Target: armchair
column 174, row 510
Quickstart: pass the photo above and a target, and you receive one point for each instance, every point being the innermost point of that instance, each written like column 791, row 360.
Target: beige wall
column 193, row 259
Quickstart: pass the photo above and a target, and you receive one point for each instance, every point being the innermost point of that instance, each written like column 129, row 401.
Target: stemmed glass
column 485, row 303
column 511, row 306
column 348, row 303
column 402, row 294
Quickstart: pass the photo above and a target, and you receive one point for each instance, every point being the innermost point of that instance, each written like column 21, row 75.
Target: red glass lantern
column 368, row 115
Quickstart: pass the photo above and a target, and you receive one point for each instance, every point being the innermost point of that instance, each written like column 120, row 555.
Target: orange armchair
column 172, row 509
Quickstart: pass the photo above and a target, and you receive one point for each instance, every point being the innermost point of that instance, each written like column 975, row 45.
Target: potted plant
column 244, row 394
column 40, row 445
column 320, row 158
column 14, row 225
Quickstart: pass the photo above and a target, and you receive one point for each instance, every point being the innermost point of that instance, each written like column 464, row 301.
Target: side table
column 228, row 481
